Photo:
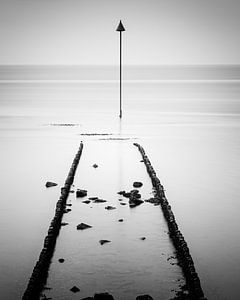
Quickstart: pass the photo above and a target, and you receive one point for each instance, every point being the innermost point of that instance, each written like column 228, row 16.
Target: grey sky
column 83, row 31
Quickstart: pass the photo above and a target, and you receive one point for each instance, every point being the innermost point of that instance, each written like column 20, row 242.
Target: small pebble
column 83, row 226
column 110, row 207
column 74, row 289
column 102, row 242
column 86, row 201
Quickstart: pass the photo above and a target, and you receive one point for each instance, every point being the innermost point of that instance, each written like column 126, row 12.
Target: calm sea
column 186, row 117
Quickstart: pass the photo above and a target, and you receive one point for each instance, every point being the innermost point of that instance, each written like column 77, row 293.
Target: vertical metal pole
column 120, row 115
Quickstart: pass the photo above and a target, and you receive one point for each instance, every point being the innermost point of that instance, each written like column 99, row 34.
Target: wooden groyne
column 40, row 272
column 183, row 254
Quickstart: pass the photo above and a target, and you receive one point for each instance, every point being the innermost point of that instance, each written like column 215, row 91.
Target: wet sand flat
column 127, row 266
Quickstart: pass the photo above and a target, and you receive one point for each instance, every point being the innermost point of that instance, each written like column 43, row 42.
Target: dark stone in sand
column 93, row 198
column 81, row 193
column 124, row 194
column 121, row 192
column 110, row 207
column 134, row 192
column 83, row 226
column 99, row 200
column 61, row 260
column 138, row 196
column 143, row 238
column 86, row 201
column 75, row 289
column 95, row 166
column 64, row 224
column 120, row 220
column 144, row 297
column 137, row 184
column 102, row 242
column 135, row 202
column 103, row 296
column 87, row 298
column 69, row 204
column 50, row 184
column 71, row 191
column 122, row 203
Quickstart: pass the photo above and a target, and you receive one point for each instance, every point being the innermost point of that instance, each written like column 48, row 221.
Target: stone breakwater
column 183, row 254
column 40, row 272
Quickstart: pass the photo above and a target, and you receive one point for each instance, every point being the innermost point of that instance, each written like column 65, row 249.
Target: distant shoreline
column 111, row 73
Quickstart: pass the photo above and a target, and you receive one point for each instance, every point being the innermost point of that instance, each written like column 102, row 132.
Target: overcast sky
column 83, row 31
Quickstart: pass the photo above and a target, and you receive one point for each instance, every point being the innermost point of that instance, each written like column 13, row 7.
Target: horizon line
column 116, row 65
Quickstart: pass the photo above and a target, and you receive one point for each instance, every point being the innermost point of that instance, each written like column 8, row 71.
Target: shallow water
column 127, row 266
column 191, row 135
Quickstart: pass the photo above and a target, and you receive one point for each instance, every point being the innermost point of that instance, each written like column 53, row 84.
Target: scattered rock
column 99, row 201
column 83, row 226
column 64, row 224
column 124, row 194
column 133, row 202
column 134, row 192
column 93, row 198
column 71, row 191
column 75, row 289
column 123, row 203
column 88, row 298
column 50, row 184
column 69, row 204
column 95, row 166
column 137, row 184
column 120, row 220
column 61, row 260
column 109, row 207
column 103, row 296
column 121, row 192
column 102, row 242
column 138, row 196
column 81, row 193
column 144, row 297
column 86, row 201
column 143, row 238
